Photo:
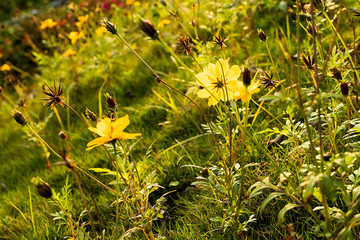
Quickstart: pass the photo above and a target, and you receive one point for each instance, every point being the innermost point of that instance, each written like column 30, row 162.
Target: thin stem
column 81, row 118
column 43, row 141
column 117, row 185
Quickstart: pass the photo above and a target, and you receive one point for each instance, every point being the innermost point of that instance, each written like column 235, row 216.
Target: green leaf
column 269, row 198
column 289, row 206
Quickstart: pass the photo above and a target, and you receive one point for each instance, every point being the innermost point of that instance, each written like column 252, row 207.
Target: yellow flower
column 109, row 130
column 5, row 67
column 48, row 23
column 82, row 20
column 219, row 81
column 137, row 3
column 244, row 93
column 129, row 2
column 74, row 36
column 164, row 22
column 69, row 52
column 100, row 31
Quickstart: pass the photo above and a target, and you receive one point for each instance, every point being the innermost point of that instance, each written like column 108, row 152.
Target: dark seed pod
column 90, row 115
column 108, row 25
column 262, row 35
column 19, row 117
column 44, row 190
column 344, row 89
column 336, row 73
column 148, row 28
column 246, row 76
column 110, row 101
column 204, row 172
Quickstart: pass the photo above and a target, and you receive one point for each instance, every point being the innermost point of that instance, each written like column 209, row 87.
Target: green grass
column 171, row 155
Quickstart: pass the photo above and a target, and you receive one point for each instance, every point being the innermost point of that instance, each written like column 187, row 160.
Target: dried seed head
column 336, row 73
column 148, row 28
column 262, row 35
column 220, row 41
column 292, row 14
column 63, row 135
column 90, row 115
column 183, row 44
column 308, row 61
column 268, row 80
column 19, row 117
column 110, row 101
column 54, row 95
column 204, row 172
column 344, row 87
column 246, row 76
column 108, row 25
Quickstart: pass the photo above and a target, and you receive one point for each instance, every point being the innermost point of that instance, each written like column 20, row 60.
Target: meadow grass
column 268, row 152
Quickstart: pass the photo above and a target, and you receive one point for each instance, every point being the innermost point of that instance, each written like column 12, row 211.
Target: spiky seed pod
column 262, row 35
column 54, row 95
column 108, row 25
column 19, row 117
column 44, row 190
column 246, row 76
column 344, row 87
column 90, row 115
column 148, row 28
column 336, row 73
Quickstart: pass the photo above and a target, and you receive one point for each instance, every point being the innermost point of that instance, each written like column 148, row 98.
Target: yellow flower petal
column 97, row 142
column 233, row 73
column 222, row 66
column 100, row 31
column 5, row 67
column 203, row 80
column 120, row 124
column 69, row 52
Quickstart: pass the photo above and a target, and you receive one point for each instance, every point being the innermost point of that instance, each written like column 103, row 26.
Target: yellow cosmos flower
column 100, row 31
column 82, row 20
column 74, row 36
column 69, row 52
column 244, row 93
column 164, row 22
column 219, row 81
column 48, row 23
column 109, row 130
column 5, row 67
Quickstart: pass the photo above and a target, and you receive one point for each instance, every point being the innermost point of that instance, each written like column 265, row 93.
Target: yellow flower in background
column 74, row 36
column 82, row 20
column 219, row 82
column 100, row 31
column 5, row 67
column 48, row 23
column 129, row 2
column 136, row 3
column 164, row 22
column 244, row 93
column 69, row 52
column 109, row 130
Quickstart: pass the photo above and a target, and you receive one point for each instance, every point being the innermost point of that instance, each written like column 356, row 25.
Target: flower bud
column 262, row 35
column 44, row 190
column 163, row 3
column 108, row 25
column 90, row 115
column 344, row 89
column 19, row 117
column 246, row 76
column 148, row 28
column 336, row 73
column 63, row 135
column 110, row 101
